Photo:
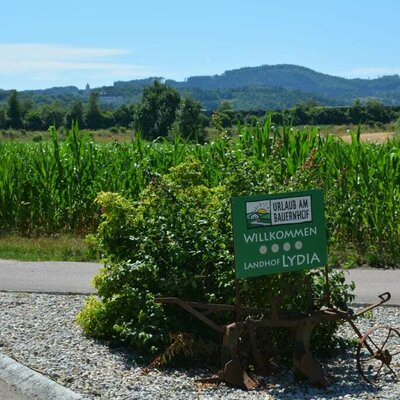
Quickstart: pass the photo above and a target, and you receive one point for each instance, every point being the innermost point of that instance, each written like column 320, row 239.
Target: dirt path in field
column 376, row 137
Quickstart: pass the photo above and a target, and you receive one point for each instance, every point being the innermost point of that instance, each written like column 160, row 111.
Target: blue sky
column 53, row 43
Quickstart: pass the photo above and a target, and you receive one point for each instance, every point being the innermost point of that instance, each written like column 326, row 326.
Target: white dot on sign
column 263, row 249
column 298, row 245
column 286, row 246
column 275, row 248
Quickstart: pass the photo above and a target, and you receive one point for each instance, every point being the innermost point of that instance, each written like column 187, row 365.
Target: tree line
column 162, row 110
column 372, row 112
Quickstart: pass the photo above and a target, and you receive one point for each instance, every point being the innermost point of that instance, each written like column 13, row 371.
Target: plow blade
column 234, row 374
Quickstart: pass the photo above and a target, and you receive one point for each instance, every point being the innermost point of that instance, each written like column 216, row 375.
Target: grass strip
column 62, row 248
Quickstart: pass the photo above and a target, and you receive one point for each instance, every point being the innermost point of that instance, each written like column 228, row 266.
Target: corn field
column 49, row 188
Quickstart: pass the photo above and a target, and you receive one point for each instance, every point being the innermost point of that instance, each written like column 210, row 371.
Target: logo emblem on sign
column 258, row 213
column 292, row 210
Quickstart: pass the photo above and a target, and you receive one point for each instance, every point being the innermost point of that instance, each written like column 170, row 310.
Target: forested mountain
column 298, row 82
column 251, row 88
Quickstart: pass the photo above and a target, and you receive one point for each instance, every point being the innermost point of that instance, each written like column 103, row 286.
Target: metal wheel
column 378, row 354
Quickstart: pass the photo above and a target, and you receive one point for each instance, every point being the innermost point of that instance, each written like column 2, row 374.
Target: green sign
column 279, row 233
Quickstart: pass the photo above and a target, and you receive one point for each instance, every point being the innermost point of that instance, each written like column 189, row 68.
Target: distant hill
column 284, row 81
column 250, row 88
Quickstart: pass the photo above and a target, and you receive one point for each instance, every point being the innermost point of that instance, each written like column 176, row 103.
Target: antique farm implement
column 274, row 234
column 377, row 355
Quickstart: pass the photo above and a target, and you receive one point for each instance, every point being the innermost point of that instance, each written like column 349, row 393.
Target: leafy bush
column 176, row 240
column 172, row 241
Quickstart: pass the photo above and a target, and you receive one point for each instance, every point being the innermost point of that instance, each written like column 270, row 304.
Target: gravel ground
column 39, row 331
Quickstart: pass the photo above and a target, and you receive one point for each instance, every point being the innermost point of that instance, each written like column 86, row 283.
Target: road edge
column 32, row 383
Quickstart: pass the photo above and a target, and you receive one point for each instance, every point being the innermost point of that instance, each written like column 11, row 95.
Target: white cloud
column 36, row 61
column 17, row 52
column 44, row 66
column 370, row 72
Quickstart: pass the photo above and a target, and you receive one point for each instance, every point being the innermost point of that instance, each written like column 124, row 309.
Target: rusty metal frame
column 302, row 323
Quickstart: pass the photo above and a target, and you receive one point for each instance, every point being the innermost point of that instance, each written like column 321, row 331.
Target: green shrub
column 176, row 240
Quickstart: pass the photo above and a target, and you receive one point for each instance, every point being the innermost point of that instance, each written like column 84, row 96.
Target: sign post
column 279, row 233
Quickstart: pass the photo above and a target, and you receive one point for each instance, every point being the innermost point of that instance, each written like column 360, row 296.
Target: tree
column 75, row 115
column 189, row 119
column 2, row 119
column 157, row 111
column 123, row 116
column 26, row 105
column 376, row 111
column 14, row 119
column 33, row 121
column 356, row 114
column 52, row 114
column 107, row 119
column 94, row 118
column 225, row 106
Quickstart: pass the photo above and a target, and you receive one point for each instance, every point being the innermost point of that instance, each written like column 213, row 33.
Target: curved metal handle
column 385, row 297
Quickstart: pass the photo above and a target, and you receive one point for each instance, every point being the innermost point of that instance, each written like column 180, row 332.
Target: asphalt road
column 72, row 277
column 47, row 277
column 372, row 282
